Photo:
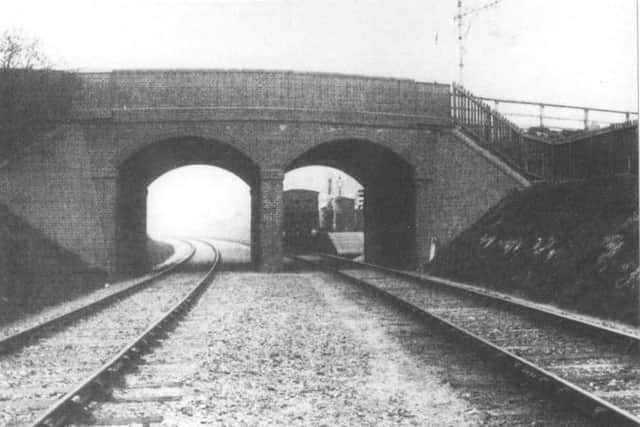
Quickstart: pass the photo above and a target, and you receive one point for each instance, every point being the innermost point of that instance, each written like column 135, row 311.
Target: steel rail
column 426, row 279
column 58, row 413
column 20, row 339
column 583, row 400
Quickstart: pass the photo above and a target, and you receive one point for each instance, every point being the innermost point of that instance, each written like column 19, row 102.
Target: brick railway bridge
column 84, row 183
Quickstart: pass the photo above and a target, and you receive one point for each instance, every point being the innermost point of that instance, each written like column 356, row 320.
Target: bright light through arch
column 316, row 178
column 199, row 201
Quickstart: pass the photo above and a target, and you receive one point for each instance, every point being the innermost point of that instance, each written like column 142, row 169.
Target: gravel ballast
column 305, row 349
column 35, row 376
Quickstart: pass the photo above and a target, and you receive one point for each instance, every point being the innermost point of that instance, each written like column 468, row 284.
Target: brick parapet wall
column 103, row 93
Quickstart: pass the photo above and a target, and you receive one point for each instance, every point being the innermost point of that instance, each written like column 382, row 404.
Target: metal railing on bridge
column 558, row 117
column 547, row 153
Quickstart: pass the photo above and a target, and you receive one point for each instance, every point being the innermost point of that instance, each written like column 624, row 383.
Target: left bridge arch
column 135, row 173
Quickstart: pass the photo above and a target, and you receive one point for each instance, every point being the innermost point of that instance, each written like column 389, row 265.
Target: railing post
column 541, row 117
column 458, row 105
column 457, row 94
column 487, row 123
column 525, row 153
column 586, row 118
column 492, row 130
column 452, row 103
column 472, row 116
column 554, row 170
column 465, row 112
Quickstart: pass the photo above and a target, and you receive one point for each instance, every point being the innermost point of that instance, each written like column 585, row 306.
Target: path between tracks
column 304, row 349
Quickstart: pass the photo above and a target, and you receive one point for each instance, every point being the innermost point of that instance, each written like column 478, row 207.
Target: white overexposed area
column 199, row 201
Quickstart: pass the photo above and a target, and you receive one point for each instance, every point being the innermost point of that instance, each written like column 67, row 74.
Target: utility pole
column 460, row 44
column 460, row 16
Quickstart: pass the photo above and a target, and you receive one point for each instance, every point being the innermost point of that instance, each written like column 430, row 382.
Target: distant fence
column 588, row 154
column 558, row 117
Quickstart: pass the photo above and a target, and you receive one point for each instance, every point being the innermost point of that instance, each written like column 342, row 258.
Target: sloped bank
column 35, row 272
column 571, row 244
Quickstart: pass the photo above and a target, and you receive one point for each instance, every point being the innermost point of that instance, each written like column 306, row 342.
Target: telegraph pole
column 460, row 44
column 460, row 16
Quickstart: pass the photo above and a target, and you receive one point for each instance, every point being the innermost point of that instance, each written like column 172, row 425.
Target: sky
column 570, row 51
column 581, row 52
column 316, row 178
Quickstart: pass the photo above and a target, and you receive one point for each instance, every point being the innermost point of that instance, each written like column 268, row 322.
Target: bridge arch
column 369, row 135
column 176, row 133
column 389, row 194
column 152, row 160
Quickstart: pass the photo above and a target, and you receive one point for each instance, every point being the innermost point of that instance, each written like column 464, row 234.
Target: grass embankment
column 572, row 244
column 35, row 272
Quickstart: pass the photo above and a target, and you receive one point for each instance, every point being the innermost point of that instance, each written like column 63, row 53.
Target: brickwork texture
column 423, row 182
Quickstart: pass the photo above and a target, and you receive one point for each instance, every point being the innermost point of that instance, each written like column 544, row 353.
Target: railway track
column 14, row 337
column 47, row 378
column 593, row 367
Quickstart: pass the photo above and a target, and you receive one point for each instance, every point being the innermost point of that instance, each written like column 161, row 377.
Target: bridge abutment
column 423, row 229
column 106, row 196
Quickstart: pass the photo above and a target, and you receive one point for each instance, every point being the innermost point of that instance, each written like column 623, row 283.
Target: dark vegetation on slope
column 32, row 101
column 35, row 272
column 571, row 244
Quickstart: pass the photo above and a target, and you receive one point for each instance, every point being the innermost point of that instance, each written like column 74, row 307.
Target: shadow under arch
column 142, row 167
column 389, row 195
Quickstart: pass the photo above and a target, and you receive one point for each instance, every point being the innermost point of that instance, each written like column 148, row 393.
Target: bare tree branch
column 33, row 96
column 18, row 51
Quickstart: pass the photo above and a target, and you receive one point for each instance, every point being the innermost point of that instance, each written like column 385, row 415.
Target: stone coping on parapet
column 258, row 70
column 198, row 93
column 266, row 114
